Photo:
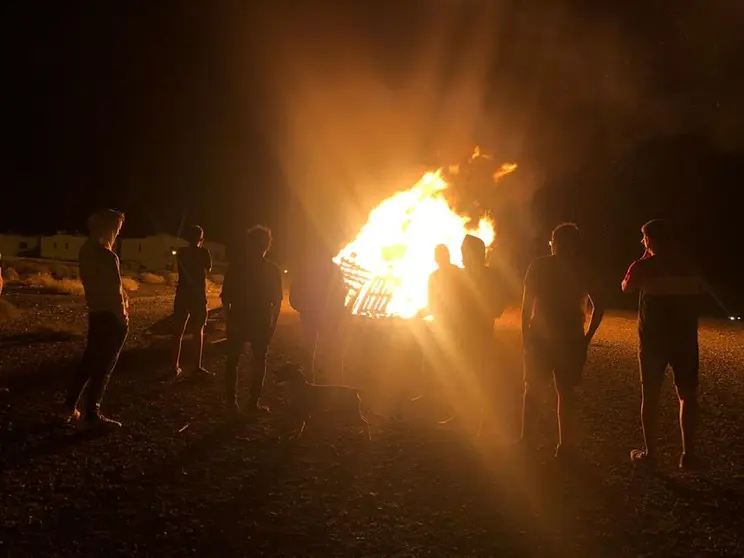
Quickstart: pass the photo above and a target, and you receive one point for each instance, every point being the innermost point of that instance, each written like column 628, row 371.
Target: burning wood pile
column 387, row 266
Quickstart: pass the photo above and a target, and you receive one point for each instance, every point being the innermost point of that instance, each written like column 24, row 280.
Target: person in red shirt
column 668, row 306
column 556, row 289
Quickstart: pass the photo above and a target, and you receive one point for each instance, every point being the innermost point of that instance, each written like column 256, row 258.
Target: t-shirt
column 561, row 288
column 668, row 303
column 318, row 290
column 444, row 295
column 101, row 278
column 194, row 263
column 482, row 297
column 253, row 290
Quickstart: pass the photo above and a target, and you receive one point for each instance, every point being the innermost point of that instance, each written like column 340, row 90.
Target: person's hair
column 566, row 238
column 103, row 225
column 193, row 234
column 258, row 240
column 659, row 231
column 473, row 249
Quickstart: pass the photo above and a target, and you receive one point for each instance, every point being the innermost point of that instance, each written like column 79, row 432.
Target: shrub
column 26, row 267
column 60, row 286
column 63, row 272
column 130, row 285
column 11, row 275
column 152, row 278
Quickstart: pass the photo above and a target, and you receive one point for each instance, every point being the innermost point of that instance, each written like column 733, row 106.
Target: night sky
column 309, row 113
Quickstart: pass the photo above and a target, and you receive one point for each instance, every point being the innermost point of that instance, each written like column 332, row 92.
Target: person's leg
column 180, row 321
column 81, row 375
column 310, row 332
column 568, row 375
column 260, row 351
column 234, row 350
column 199, row 316
column 538, row 373
column 686, row 369
column 110, row 348
column 653, row 366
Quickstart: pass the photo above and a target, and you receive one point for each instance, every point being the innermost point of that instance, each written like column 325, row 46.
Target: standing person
column 556, row 289
column 252, row 298
column 318, row 294
column 108, row 320
column 669, row 292
column 190, row 305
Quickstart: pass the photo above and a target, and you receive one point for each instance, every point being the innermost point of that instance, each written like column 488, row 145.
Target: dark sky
column 236, row 114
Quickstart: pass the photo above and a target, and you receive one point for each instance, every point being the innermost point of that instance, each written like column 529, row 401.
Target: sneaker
column 99, row 422
column 642, row 457
column 179, row 373
column 204, row 371
column 690, row 462
column 68, row 416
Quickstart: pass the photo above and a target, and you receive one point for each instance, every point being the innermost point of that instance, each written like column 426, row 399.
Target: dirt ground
column 180, row 480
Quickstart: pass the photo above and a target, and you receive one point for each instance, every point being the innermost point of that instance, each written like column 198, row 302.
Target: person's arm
column 633, row 280
column 528, row 301
column 226, row 294
column 111, row 287
column 207, row 260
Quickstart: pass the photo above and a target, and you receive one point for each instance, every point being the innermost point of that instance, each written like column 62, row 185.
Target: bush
column 152, row 278
column 60, row 286
column 8, row 311
column 64, row 272
column 130, row 285
column 25, row 267
column 11, row 275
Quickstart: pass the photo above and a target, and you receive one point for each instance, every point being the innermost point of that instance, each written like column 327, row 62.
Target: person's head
column 657, row 236
column 258, row 241
column 565, row 239
column 194, row 235
column 473, row 251
column 442, row 255
column 104, row 226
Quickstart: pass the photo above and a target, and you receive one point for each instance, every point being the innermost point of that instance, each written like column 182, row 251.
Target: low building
column 16, row 245
column 62, row 246
column 151, row 253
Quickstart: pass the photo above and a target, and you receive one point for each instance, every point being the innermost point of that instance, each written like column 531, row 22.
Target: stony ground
column 181, row 480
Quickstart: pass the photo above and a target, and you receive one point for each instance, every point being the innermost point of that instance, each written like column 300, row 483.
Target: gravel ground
column 180, row 480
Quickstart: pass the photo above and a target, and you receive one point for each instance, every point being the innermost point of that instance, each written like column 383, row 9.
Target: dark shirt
column 560, row 287
column 194, row 263
column 444, row 295
column 668, row 303
column 252, row 291
column 482, row 297
column 318, row 290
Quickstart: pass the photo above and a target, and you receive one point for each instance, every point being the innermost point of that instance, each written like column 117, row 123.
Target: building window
column 23, row 245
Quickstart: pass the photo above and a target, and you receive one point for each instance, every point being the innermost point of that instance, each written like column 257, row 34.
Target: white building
column 13, row 245
column 62, row 246
column 157, row 253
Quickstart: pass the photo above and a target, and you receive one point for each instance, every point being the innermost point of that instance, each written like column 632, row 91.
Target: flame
column 506, row 168
column 395, row 248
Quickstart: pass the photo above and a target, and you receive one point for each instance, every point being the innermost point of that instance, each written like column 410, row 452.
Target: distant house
column 14, row 245
column 62, row 246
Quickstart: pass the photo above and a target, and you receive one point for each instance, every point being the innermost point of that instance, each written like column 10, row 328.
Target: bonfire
column 387, row 265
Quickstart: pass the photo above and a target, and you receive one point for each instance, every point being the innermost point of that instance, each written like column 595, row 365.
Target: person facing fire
column 669, row 296
column 318, row 294
column 556, row 289
column 190, row 304
column 252, row 298
column 108, row 321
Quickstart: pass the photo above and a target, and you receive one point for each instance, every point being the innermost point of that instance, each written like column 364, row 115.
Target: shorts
column 194, row 310
column 561, row 361
column 683, row 359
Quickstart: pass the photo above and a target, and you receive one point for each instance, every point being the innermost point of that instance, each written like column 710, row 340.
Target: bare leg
column 199, row 341
column 566, row 416
column 179, row 328
column 650, row 416
column 689, row 416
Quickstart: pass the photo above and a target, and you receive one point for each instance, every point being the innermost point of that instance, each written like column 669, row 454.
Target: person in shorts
column 669, row 295
column 556, row 289
column 190, row 304
column 252, row 297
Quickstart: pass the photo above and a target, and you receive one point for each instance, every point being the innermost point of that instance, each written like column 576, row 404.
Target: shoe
column 690, row 462
column 68, row 416
column 204, row 371
column 179, row 373
column 642, row 457
column 99, row 422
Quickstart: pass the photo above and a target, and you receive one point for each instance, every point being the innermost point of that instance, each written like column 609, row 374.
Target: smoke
column 361, row 101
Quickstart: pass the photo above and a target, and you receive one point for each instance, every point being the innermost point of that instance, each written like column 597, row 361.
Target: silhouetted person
column 318, row 294
column 480, row 302
column 190, row 305
column 443, row 289
column 252, row 298
column 108, row 320
column 556, row 289
column 668, row 334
